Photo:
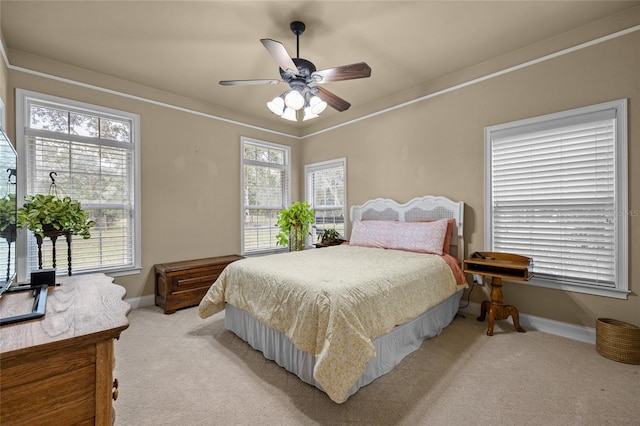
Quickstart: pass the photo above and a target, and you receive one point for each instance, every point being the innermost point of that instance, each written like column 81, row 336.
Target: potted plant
column 8, row 217
column 294, row 223
column 48, row 214
column 330, row 237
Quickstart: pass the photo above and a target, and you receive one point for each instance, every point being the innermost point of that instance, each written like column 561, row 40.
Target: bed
column 339, row 317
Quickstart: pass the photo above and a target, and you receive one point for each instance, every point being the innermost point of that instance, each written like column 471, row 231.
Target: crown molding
column 428, row 96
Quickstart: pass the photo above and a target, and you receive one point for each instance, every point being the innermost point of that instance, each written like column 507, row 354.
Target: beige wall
column 437, row 147
column 190, row 178
column 190, row 164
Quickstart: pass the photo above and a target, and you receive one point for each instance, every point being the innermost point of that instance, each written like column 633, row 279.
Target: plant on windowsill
column 330, row 237
column 294, row 223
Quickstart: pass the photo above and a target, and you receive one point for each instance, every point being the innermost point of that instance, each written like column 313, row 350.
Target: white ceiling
column 186, row 47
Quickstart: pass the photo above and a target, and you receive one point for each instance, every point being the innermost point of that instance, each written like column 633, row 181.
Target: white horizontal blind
column 92, row 155
column 553, row 187
column 265, row 181
column 326, row 194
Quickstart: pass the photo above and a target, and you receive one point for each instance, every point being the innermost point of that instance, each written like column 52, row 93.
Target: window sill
column 264, row 252
column 576, row 288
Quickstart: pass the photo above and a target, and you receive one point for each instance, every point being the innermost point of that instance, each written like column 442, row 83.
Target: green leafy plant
column 7, row 211
column 330, row 237
column 294, row 223
column 42, row 213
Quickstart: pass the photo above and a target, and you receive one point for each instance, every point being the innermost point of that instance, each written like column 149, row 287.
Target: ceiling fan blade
column 345, row 72
column 279, row 53
column 332, row 100
column 247, row 82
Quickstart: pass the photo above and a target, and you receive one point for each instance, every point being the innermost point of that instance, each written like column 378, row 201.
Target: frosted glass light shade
column 276, row 105
column 290, row 114
column 317, row 105
column 308, row 114
column 294, row 99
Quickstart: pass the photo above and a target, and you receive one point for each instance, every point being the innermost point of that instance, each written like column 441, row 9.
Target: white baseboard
column 139, row 302
column 559, row 328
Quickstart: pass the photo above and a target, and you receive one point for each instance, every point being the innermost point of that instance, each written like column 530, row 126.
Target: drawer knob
column 114, row 393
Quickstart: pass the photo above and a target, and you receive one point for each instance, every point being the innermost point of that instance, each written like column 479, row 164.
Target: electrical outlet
column 477, row 278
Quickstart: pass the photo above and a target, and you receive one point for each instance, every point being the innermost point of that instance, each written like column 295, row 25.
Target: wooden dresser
column 184, row 284
column 59, row 369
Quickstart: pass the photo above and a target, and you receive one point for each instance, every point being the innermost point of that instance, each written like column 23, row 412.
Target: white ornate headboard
column 428, row 207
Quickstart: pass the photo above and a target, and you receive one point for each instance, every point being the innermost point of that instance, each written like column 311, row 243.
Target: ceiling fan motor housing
column 305, row 69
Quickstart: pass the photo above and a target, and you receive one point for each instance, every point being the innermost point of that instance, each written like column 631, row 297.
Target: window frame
column 322, row 165
column 23, row 99
column 621, row 234
column 286, row 195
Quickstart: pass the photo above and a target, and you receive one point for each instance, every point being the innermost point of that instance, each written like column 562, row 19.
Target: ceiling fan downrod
column 297, row 28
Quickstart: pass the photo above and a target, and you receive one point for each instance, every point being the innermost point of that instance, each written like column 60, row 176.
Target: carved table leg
column 39, row 241
column 513, row 313
column 496, row 309
column 492, row 319
column 68, row 237
column 53, row 239
column 483, row 310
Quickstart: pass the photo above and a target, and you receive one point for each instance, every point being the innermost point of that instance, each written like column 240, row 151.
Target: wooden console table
column 59, row 369
column 498, row 266
column 184, row 284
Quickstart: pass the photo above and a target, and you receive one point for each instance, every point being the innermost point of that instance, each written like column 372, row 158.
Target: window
column 266, row 191
column 556, row 189
column 326, row 192
column 94, row 153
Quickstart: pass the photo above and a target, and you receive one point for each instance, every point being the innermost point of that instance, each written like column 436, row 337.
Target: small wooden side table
column 497, row 266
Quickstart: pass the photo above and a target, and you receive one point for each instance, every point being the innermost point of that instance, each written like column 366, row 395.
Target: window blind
column 553, row 188
column 265, row 192
column 92, row 153
column 326, row 193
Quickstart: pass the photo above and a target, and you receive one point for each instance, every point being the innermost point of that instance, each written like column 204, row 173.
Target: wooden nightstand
column 497, row 266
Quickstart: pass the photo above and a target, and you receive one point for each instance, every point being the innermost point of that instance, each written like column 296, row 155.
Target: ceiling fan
column 304, row 81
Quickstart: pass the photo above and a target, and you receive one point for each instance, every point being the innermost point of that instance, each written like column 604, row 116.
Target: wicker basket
column 618, row 340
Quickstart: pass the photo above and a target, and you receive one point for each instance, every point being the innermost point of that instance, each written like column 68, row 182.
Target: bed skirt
column 391, row 347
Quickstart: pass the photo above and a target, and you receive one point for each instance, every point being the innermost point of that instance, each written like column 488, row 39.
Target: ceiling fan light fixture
column 289, row 114
column 276, row 105
column 303, row 79
column 294, row 99
column 317, row 105
column 308, row 114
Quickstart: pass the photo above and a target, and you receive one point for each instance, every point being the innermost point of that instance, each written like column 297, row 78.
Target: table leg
column 483, row 310
column 512, row 312
column 497, row 310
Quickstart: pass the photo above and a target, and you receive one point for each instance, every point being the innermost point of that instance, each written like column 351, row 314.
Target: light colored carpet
column 181, row 370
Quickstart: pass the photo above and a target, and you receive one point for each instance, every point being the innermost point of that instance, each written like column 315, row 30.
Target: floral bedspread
column 332, row 302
